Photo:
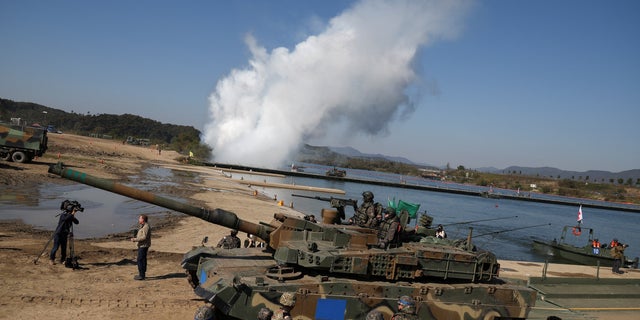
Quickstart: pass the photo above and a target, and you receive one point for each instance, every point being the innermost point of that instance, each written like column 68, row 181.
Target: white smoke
column 356, row 71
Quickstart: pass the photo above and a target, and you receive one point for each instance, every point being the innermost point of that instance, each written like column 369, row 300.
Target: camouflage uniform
column 287, row 300
column 617, row 253
column 366, row 214
column 265, row 314
column 204, row 313
column 374, row 315
column 388, row 228
column 230, row 242
column 406, row 309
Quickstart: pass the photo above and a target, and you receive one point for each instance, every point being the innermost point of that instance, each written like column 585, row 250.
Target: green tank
column 334, row 271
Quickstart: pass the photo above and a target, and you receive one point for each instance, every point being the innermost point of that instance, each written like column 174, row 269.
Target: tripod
column 35, row 261
column 72, row 260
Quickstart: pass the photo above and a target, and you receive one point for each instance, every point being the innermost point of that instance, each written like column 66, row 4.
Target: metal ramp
column 586, row 298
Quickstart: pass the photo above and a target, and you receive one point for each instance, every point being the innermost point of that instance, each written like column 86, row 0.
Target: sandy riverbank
column 104, row 288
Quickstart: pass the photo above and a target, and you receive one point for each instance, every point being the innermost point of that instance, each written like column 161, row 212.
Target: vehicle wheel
column 19, row 157
column 6, row 156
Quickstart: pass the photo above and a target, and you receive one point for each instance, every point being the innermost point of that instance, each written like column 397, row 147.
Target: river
column 109, row 213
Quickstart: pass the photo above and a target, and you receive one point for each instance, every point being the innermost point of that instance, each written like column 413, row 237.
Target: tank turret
column 335, row 270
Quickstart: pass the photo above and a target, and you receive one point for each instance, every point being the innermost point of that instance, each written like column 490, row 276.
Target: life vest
column 595, row 244
column 613, row 243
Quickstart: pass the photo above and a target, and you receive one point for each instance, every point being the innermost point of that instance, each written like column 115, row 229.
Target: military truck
column 21, row 143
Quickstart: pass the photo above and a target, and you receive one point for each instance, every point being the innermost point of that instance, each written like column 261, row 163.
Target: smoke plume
column 354, row 75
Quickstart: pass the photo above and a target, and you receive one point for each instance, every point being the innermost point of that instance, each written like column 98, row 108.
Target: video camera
column 69, row 205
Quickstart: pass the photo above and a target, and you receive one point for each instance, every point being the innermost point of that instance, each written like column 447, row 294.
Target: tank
column 334, row 271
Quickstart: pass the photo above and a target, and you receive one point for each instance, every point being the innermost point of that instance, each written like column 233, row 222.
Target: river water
column 510, row 237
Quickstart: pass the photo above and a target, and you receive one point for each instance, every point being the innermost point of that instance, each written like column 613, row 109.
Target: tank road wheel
column 6, row 156
column 19, row 157
column 192, row 277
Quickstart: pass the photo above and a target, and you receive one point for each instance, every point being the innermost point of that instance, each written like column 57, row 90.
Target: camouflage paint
column 334, row 270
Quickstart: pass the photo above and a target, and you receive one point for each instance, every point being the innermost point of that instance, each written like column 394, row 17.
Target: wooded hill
column 118, row 127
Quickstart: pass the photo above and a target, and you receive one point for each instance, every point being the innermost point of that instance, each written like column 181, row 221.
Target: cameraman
column 61, row 234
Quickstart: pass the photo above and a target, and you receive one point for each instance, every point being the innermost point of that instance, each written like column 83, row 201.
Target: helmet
column 391, row 211
column 374, row 315
column 367, row 195
column 265, row 314
column 407, row 301
column 234, row 232
column 408, row 304
column 204, row 313
column 288, row 299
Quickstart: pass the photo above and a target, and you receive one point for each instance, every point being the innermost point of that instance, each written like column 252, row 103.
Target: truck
column 22, row 143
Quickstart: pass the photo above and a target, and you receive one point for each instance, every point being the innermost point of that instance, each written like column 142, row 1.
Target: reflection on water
column 499, row 235
column 509, row 238
column 105, row 212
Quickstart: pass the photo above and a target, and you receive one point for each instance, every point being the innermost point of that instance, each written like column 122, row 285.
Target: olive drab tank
column 335, row 271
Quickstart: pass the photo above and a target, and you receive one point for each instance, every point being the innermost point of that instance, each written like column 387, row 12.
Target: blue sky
column 488, row 83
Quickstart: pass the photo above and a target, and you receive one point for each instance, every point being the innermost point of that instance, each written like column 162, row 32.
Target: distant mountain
column 351, row 152
column 593, row 175
column 548, row 172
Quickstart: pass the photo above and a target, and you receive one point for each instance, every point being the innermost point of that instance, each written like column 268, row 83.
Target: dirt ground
column 103, row 288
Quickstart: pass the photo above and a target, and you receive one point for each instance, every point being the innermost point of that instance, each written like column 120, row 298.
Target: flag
column 412, row 208
column 580, row 214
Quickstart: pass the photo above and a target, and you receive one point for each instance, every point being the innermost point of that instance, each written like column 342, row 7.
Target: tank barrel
column 216, row 216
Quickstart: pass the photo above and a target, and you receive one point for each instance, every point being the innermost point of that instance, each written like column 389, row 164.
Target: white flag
column 580, row 214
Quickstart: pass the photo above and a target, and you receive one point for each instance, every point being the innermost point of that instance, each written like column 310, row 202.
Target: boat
column 296, row 168
column 490, row 195
column 335, row 172
column 592, row 253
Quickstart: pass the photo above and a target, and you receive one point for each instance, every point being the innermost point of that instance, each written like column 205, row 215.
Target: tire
column 6, row 156
column 19, row 157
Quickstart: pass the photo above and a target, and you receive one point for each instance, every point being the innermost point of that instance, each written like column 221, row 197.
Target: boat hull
column 578, row 255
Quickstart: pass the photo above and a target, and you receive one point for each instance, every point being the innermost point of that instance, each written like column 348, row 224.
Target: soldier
column 388, row 228
column 406, row 309
column 265, row 314
column 440, row 233
column 374, row 315
column 287, row 301
column 617, row 253
column 204, row 313
column 250, row 241
column 366, row 214
column 230, row 242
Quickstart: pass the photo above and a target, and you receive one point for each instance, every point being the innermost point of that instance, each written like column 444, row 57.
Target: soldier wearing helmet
column 204, row 313
column 406, row 309
column 231, row 241
column 388, row 228
column 265, row 314
column 375, row 315
column 287, row 301
column 365, row 214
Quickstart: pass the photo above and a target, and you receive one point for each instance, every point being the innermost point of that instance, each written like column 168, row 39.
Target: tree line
column 183, row 139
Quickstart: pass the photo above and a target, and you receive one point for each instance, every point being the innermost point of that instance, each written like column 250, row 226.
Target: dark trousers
column 142, row 261
column 616, row 265
column 59, row 241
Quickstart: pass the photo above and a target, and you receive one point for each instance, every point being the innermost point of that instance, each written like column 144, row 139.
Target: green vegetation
column 108, row 126
column 564, row 187
column 186, row 138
